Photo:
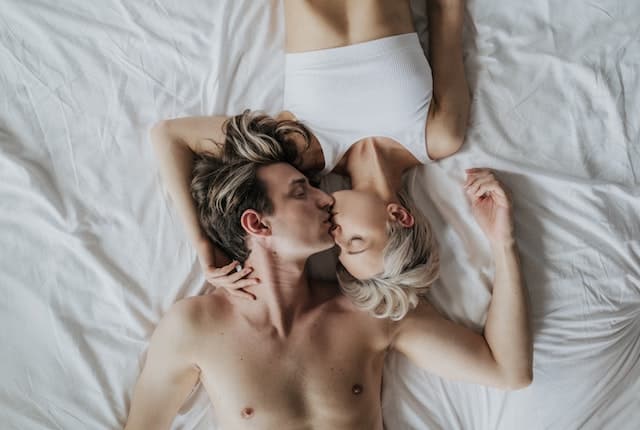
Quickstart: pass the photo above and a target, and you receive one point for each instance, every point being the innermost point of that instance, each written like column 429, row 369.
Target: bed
column 92, row 253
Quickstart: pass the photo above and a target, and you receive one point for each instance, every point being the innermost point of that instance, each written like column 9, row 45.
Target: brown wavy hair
column 223, row 188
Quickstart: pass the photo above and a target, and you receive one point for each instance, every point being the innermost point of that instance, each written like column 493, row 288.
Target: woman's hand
column 225, row 276
column 491, row 206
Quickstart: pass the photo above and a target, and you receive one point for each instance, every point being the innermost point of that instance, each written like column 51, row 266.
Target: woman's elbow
column 446, row 143
column 447, row 130
column 519, row 382
column 455, row 139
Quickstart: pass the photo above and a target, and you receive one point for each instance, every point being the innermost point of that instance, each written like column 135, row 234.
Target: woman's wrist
column 201, row 242
column 503, row 244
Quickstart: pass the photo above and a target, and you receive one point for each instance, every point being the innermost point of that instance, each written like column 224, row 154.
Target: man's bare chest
column 315, row 371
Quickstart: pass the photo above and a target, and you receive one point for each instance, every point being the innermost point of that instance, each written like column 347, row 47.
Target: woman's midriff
column 321, row 24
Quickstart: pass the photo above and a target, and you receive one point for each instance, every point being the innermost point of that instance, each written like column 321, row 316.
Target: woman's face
column 360, row 230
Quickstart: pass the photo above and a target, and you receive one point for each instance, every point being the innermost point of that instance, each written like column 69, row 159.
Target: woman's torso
column 379, row 88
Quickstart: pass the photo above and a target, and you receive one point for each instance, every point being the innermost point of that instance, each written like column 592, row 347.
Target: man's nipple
column 357, row 389
column 247, row 413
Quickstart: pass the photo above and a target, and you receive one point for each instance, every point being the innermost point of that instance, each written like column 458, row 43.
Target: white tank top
column 380, row 88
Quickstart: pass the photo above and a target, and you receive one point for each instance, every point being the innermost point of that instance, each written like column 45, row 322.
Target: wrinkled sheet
column 92, row 253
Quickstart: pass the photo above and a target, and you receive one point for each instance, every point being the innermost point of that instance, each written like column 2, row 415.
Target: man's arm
column 449, row 110
column 503, row 356
column 169, row 373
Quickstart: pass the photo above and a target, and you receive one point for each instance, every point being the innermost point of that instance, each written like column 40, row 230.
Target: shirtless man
column 301, row 355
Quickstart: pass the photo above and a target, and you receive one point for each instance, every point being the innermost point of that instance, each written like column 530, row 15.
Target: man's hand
column 491, row 205
column 226, row 276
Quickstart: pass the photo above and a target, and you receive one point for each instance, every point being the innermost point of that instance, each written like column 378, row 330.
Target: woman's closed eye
column 356, row 245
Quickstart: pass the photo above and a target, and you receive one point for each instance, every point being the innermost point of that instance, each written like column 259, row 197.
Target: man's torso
column 325, row 374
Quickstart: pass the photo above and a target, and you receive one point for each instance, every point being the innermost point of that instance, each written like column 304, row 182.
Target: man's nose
column 325, row 201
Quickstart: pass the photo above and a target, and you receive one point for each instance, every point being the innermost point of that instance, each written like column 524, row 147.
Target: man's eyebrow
column 297, row 181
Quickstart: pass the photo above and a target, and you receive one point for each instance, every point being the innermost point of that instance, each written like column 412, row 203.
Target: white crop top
column 379, row 88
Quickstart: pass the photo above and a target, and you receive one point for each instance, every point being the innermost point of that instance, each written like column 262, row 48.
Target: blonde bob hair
column 411, row 265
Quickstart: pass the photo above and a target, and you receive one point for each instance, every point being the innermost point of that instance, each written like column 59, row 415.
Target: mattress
column 92, row 252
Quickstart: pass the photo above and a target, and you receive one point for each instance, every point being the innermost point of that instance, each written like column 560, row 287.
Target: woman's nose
column 336, row 233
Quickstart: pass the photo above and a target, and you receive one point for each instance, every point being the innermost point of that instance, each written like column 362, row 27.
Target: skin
column 362, row 213
column 301, row 356
column 298, row 354
column 375, row 165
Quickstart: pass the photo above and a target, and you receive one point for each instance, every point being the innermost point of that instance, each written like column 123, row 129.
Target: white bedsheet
column 92, row 254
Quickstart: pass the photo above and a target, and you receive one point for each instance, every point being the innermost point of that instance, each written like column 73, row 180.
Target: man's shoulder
column 193, row 313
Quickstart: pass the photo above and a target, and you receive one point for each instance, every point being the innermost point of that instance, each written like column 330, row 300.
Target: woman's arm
column 175, row 142
column 507, row 329
column 449, row 110
column 502, row 356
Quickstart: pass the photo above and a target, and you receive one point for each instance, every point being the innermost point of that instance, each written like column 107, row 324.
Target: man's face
column 300, row 222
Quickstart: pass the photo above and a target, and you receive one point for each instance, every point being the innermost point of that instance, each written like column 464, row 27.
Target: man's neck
column 377, row 166
column 282, row 294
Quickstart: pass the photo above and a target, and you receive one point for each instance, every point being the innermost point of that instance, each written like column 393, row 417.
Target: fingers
column 476, row 173
column 219, row 272
column 483, row 183
column 242, row 294
column 475, row 178
column 244, row 283
column 490, row 190
column 477, row 182
column 239, row 275
column 233, row 281
column 225, row 270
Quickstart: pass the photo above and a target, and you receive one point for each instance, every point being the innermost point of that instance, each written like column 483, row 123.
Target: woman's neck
column 377, row 165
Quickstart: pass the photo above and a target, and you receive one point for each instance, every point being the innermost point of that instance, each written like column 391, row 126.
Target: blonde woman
column 360, row 100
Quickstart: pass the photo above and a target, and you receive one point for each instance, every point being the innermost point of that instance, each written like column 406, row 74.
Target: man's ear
column 254, row 223
column 400, row 214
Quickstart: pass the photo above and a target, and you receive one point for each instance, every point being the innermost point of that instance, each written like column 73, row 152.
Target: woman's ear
column 254, row 224
column 400, row 214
